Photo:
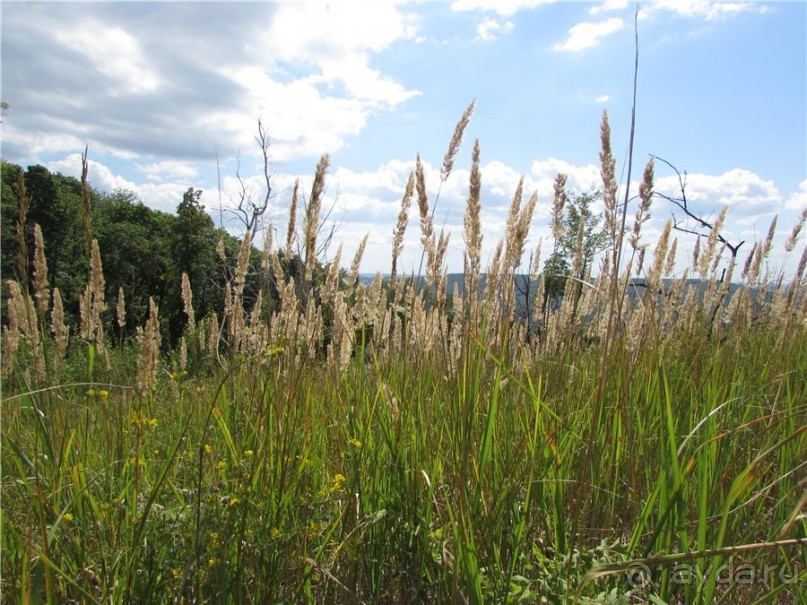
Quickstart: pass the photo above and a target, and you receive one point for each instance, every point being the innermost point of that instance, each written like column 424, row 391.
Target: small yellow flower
column 90, row 393
column 338, row 480
column 355, row 443
column 221, row 466
column 208, row 449
column 176, row 573
column 103, row 394
column 274, row 533
column 233, row 502
column 152, row 422
column 67, row 517
column 212, row 562
column 248, row 453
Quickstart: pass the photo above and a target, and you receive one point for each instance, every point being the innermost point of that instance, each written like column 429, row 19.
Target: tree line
column 144, row 251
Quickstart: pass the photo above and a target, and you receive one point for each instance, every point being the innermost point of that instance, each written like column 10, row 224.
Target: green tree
column 135, row 244
column 581, row 235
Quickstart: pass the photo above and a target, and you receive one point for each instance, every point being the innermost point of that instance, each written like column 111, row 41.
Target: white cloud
column 115, row 53
column 587, row 35
column 707, row 10
column 489, row 29
column 602, row 99
column 798, row 201
column 159, row 171
column 160, row 196
column 608, row 5
column 504, row 8
column 743, row 190
column 580, row 178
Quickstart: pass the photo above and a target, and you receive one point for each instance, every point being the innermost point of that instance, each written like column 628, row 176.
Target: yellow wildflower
column 355, row 443
column 67, row 517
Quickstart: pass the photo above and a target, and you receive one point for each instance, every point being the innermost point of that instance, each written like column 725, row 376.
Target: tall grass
column 388, row 442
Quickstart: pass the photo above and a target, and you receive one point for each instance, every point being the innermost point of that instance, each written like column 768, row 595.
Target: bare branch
column 681, row 203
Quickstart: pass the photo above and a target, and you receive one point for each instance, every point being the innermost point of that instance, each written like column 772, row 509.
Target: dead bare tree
column 249, row 210
column 701, row 224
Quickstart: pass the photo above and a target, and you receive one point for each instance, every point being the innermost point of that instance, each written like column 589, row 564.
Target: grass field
column 387, row 443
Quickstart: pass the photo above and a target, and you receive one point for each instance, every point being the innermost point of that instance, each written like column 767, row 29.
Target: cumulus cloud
column 160, row 196
column 580, row 178
column 608, row 5
column 489, row 29
column 504, row 8
column 743, row 190
column 180, row 80
column 798, row 201
column 709, row 11
column 602, row 99
column 587, row 35
column 115, row 53
column 168, row 169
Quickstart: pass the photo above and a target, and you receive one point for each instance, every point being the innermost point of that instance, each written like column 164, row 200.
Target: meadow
column 395, row 442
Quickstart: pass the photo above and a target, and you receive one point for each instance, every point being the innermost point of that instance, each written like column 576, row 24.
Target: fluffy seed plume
column 558, row 203
column 292, row 218
column 60, row 332
column 400, row 226
column 354, row 267
column 187, row 301
column 312, row 212
column 456, row 141
column 472, row 225
column 120, row 309
column 790, row 245
column 608, row 175
column 41, row 290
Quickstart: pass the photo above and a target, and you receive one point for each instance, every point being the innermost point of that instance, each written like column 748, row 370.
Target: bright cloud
column 707, row 10
column 504, row 8
column 741, row 189
column 580, row 178
column 798, row 201
column 159, row 171
column 490, row 29
column 115, row 53
column 608, row 5
column 587, row 35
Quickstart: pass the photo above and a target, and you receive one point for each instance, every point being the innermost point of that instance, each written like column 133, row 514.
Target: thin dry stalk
column 22, row 242
column 86, row 203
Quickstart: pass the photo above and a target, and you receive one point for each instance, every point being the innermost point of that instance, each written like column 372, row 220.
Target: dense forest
column 144, row 251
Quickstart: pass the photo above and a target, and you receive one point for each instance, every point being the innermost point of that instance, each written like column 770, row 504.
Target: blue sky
column 157, row 90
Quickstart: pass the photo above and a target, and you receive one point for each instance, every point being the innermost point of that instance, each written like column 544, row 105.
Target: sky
column 168, row 96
